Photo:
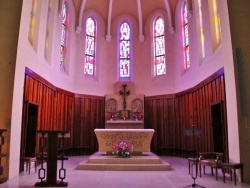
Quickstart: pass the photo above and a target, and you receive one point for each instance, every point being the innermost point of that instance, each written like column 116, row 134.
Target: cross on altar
column 124, row 93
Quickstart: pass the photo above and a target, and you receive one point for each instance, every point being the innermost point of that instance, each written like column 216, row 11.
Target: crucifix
column 124, row 93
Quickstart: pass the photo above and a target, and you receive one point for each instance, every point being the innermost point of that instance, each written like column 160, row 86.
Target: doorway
column 29, row 127
column 218, row 127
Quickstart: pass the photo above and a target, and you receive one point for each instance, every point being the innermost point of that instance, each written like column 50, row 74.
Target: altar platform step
column 148, row 161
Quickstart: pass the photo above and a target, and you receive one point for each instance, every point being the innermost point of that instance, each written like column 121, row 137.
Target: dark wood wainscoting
column 62, row 110
column 170, row 115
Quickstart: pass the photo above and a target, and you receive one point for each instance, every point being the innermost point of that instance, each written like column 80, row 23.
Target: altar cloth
column 140, row 138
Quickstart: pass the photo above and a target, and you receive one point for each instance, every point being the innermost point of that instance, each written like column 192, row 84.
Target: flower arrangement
column 123, row 148
column 137, row 116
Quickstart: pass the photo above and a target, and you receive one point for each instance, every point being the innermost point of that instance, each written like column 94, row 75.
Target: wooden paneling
column 170, row 115
column 63, row 110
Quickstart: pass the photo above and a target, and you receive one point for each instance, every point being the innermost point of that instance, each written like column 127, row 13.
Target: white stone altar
column 140, row 138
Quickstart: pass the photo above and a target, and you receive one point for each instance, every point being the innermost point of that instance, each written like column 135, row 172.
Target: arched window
column 90, row 44
column 159, row 48
column 64, row 33
column 185, row 36
column 124, row 59
column 32, row 21
column 202, row 36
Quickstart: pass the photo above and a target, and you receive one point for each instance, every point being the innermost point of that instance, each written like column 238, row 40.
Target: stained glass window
column 124, row 61
column 63, row 33
column 32, row 21
column 90, row 47
column 186, row 36
column 159, row 51
column 217, row 21
column 48, row 29
column 201, row 30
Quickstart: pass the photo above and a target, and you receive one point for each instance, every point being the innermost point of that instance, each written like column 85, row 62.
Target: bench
column 232, row 167
column 211, row 159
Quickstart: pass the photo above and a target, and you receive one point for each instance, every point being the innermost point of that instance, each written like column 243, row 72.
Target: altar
column 140, row 138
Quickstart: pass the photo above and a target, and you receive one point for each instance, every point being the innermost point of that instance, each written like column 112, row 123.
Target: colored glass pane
column 159, row 51
column 32, row 21
column 202, row 36
column 186, row 51
column 63, row 33
column 159, row 46
column 124, row 51
column 125, row 32
column 90, row 29
column 90, row 47
column 159, row 27
column 160, row 65
column 124, row 68
column 217, row 21
column 89, row 65
column 48, row 29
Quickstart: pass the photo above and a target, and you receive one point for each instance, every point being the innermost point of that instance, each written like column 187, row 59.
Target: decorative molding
column 78, row 29
column 108, row 38
column 141, row 38
column 171, row 30
column 169, row 13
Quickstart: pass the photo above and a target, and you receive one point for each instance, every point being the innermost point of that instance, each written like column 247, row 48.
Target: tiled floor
column 178, row 177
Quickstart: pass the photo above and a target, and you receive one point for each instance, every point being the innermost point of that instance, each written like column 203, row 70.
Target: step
column 146, row 162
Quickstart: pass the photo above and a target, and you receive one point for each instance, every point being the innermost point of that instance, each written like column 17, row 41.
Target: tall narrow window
column 32, row 21
column 214, row 23
column 159, row 47
column 124, row 60
column 185, row 36
column 202, row 40
column 217, row 21
column 63, row 34
column 48, row 29
column 90, row 47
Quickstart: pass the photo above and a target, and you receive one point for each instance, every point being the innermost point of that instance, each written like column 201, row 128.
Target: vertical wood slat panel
column 157, row 114
column 60, row 111
column 189, row 108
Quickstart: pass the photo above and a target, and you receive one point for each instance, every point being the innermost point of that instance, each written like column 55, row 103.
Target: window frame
column 94, row 51
column 185, row 36
column 155, row 56
column 120, row 78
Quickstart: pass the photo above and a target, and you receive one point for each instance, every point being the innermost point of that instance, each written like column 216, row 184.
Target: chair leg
column 29, row 165
column 216, row 173
column 35, row 166
column 200, row 169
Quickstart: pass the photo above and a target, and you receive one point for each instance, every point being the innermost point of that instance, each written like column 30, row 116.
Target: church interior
column 167, row 76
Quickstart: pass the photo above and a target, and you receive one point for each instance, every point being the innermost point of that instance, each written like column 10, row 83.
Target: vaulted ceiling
column 139, row 9
column 132, row 7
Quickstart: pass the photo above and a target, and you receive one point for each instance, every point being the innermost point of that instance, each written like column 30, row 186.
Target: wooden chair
column 27, row 161
column 212, row 159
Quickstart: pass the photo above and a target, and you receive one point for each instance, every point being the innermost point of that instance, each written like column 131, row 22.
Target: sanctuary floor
column 178, row 177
